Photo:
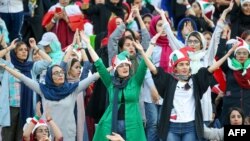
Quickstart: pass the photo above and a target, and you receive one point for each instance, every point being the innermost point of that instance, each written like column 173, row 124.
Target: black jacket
column 166, row 86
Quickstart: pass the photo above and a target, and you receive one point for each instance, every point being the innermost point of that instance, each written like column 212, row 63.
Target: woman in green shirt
column 122, row 115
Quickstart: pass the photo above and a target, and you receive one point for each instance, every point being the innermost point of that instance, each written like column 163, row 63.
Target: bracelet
column 37, row 117
column 33, row 121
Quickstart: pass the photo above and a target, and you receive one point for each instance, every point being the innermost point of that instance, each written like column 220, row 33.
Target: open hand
column 114, row 137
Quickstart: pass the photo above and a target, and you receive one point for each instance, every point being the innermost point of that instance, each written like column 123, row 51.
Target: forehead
column 235, row 112
column 56, row 68
column 127, row 41
column 42, row 127
column 159, row 21
column 137, row 1
column 183, row 62
column 242, row 50
column 192, row 37
column 22, row 46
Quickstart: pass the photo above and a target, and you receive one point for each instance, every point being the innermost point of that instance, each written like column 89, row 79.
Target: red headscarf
column 162, row 42
column 111, row 28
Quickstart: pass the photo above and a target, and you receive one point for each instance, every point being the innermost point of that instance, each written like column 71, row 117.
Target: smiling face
column 241, row 55
column 235, row 118
column 246, row 8
column 123, row 70
column 58, row 75
column 75, row 70
column 41, row 133
column 182, row 68
column 21, row 52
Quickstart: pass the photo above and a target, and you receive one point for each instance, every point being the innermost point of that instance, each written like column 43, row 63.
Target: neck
column 20, row 60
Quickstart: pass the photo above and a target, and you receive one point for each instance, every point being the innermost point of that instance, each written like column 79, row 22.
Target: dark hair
column 73, row 61
column 122, row 41
column 35, row 134
column 196, row 35
column 245, row 34
column 227, row 120
column 19, row 44
column 207, row 32
column 132, row 33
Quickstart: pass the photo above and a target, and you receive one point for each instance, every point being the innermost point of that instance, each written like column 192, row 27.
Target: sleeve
column 173, row 41
column 39, row 66
column 64, row 66
column 104, row 74
column 145, row 36
column 93, row 10
column 141, row 72
column 83, row 84
column 235, row 12
column 160, row 80
column 213, row 133
column 222, row 50
column 212, row 49
column 113, row 41
column 32, row 84
column 200, row 76
column 86, row 67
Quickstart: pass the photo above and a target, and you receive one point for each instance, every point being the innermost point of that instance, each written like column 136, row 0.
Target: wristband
column 36, row 117
column 34, row 121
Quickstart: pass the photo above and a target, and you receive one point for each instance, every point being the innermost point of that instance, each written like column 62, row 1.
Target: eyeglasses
column 58, row 73
column 193, row 41
column 42, row 131
column 242, row 53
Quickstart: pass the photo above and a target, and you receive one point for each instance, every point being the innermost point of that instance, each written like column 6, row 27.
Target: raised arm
column 217, row 64
column 212, row 49
column 145, row 36
column 173, row 41
column 103, row 72
column 149, row 52
column 58, row 136
column 113, row 41
column 6, row 50
column 32, row 84
column 92, row 52
column 44, row 55
column 28, row 130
